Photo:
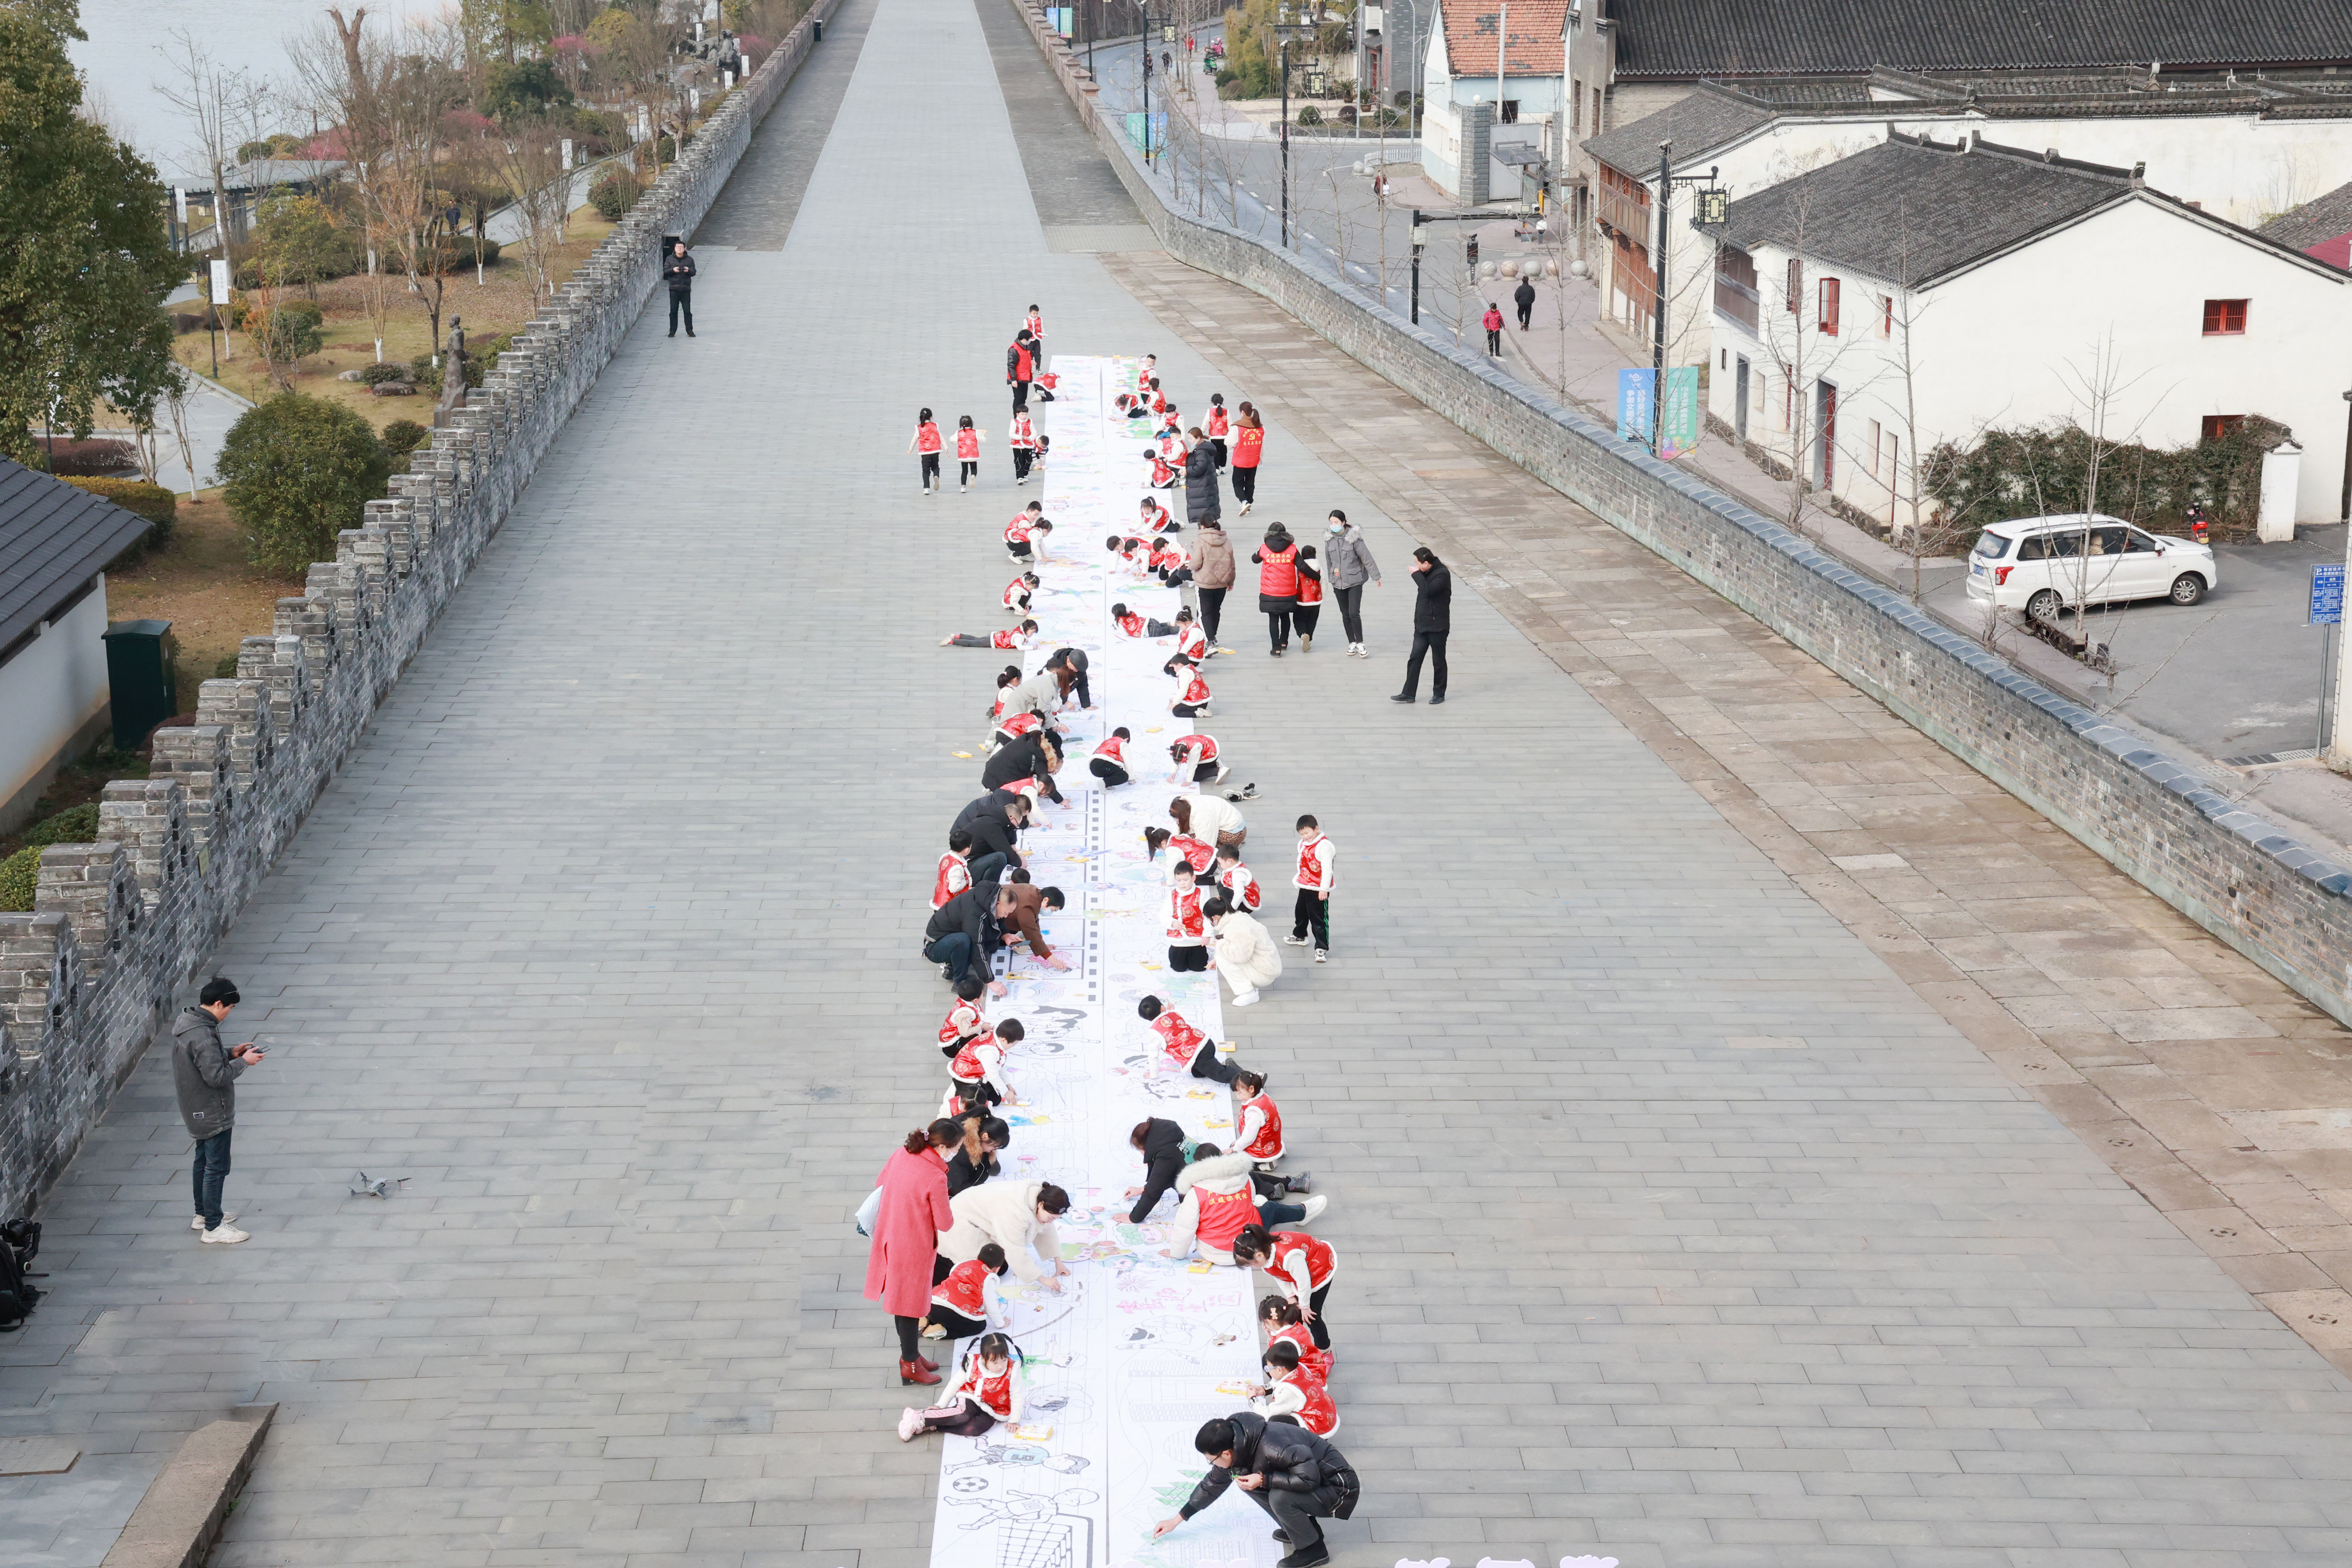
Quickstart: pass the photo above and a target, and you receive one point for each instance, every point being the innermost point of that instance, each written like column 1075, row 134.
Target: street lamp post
column 1286, row 29
column 1712, row 202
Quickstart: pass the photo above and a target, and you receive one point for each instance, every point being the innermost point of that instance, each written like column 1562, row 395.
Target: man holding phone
column 204, row 1072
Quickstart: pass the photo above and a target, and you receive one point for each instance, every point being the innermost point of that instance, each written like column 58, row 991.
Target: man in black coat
column 1525, row 299
column 993, row 821
column 1432, row 618
column 677, row 271
column 1027, row 756
column 1286, row 1470
column 964, row 933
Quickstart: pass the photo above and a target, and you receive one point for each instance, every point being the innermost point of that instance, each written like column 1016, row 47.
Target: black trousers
column 1295, row 1513
column 1526, row 310
column 1303, row 619
column 968, row 1420
column 957, row 1326
column 1208, row 1064
column 1212, row 609
column 1351, row 611
column 1191, row 959
column 930, row 470
column 1316, row 1329
column 682, row 300
column 1495, row 342
column 1217, row 450
column 1312, row 909
column 1020, row 395
column 1021, row 458
column 1111, row 773
column 1432, row 645
column 1277, row 628
column 1245, row 484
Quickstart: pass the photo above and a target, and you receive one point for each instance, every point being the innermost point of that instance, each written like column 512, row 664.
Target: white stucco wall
column 55, row 685
column 2237, row 167
column 2017, row 341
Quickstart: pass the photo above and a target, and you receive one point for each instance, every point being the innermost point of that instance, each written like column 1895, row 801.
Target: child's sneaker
column 911, row 1422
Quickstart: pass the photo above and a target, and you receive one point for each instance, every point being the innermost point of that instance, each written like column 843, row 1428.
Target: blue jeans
column 211, row 1171
column 954, row 950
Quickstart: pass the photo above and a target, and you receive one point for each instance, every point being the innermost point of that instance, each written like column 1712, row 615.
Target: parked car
column 2043, row 566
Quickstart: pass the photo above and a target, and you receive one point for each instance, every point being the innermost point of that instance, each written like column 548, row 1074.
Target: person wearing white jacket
column 1216, row 1204
column 1243, row 953
column 1018, row 1216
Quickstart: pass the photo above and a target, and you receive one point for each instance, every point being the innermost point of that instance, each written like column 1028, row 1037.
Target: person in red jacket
column 1249, row 448
column 1021, row 368
column 1493, row 322
column 926, row 441
column 1220, row 424
column 1277, row 584
column 1309, row 608
column 1025, row 536
column 1024, row 448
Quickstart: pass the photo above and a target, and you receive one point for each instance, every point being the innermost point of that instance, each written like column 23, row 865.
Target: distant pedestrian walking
column 204, row 1072
column 1523, row 297
column 1277, row 584
column 1432, row 618
column 677, row 271
column 1309, row 608
column 1249, row 447
column 926, row 441
column 1213, row 573
column 968, row 439
column 1220, row 426
column 1493, row 321
column 1347, row 563
column 1201, row 502
column 1021, row 368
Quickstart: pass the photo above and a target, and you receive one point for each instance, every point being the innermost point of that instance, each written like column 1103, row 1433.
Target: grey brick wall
column 119, row 926
column 2240, row 876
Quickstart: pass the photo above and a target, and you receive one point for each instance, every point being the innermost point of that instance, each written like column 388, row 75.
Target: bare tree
column 221, row 107
column 175, row 405
column 528, row 161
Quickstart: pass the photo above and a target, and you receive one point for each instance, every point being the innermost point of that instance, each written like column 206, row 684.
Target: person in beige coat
column 1243, row 953
column 1018, row 1216
column 1212, row 574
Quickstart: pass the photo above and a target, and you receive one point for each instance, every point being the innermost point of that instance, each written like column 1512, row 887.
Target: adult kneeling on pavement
column 966, row 932
column 1286, row 1470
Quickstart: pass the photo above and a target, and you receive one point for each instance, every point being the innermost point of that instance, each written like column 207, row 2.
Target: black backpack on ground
column 20, row 1243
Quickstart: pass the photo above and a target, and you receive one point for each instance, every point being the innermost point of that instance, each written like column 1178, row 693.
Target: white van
column 2043, row 566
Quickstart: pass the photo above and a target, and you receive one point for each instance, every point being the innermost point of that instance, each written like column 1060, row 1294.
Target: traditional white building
column 1918, row 291
column 1466, row 74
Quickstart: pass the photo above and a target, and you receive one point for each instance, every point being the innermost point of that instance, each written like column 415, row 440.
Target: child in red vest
column 1292, row 1393
column 1017, row 592
column 1196, row 760
column 1309, row 608
column 1188, row 929
column 1234, row 878
column 1025, row 536
column 1279, row 1317
column 1182, row 1046
column 1015, row 638
column 964, row 1020
column 1132, row 550
column 1190, row 640
column 955, row 871
column 1110, row 763
column 926, row 441
column 1194, row 854
column 1156, row 518
column 1257, row 1132
column 1191, row 698
column 1298, row 1263
column 1314, row 879
column 978, row 1066
column 1170, row 563
column 963, row 1304
column 1131, row 625
column 1024, row 447
column 991, row 1389
column 968, row 439
column 1219, row 423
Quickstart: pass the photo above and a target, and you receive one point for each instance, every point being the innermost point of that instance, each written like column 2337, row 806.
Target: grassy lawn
column 200, row 583
column 499, row 303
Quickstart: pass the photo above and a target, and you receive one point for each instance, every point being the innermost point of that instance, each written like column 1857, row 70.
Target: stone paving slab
column 604, row 939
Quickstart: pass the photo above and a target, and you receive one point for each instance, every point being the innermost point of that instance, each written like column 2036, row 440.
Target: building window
column 1877, row 438
column 1796, row 285
column 2221, row 426
column 1576, row 109
column 1825, row 316
column 1596, row 112
column 1734, row 286
column 2224, row 318
column 1886, row 315
column 1511, row 111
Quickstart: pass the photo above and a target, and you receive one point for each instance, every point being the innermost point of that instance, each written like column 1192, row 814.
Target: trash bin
column 820, row 29
column 142, row 666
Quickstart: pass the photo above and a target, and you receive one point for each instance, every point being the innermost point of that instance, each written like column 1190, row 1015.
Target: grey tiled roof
column 52, row 539
column 1682, row 39
column 1706, row 119
column 1911, row 210
column 2315, row 222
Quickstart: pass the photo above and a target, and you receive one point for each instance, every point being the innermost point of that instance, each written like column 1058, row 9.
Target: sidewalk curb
column 177, row 1522
column 206, row 383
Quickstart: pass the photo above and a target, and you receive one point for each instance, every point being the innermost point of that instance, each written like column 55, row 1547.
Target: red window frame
column 2225, row 318
column 1825, row 313
column 1886, row 315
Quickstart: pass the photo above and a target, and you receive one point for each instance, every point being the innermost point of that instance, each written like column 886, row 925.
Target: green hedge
column 74, row 825
column 152, row 503
column 20, row 876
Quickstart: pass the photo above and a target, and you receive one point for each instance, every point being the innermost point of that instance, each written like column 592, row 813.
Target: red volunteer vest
column 1246, row 442
column 927, row 437
column 1241, row 886
column 1020, row 724
column 1184, row 922
column 962, row 1019
column 961, row 1291
column 1017, row 530
column 1268, row 1143
column 1277, row 574
column 1318, row 1415
column 1198, row 749
column 1177, row 1037
column 1310, row 589
column 968, row 1068
column 1196, row 690
column 1318, row 1361
column 967, row 445
column 1111, row 748
column 1223, row 1215
column 1199, row 855
column 1319, row 1260
column 1217, row 426
column 954, row 877
column 996, row 1395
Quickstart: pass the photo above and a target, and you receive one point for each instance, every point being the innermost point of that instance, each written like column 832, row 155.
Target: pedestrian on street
column 1021, row 368
column 1249, row 447
column 1201, row 502
column 1297, row 1477
column 968, row 439
column 1493, row 322
column 902, row 1265
column 1310, row 599
column 1220, row 424
column 1347, row 565
column 1213, row 573
column 1024, row 448
column 1277, row 582
column 926, row 441
column 205, row 1073
column 1317, row 875
column 677, row 271
column 1523, row 297
column 1432, row 618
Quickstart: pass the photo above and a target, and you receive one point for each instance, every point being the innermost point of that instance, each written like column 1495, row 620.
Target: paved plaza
column 1681, row 1226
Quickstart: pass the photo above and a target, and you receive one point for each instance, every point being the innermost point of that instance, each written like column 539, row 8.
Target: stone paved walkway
column 1683, row 1224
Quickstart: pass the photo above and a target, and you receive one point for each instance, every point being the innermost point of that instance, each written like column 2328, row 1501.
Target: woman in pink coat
column 900, row 1269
